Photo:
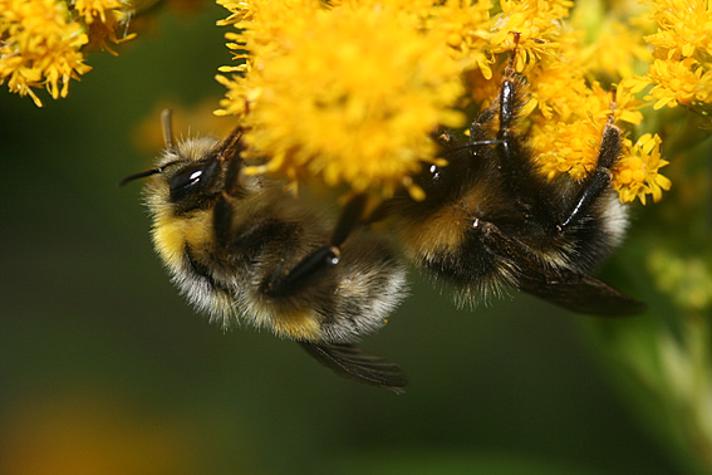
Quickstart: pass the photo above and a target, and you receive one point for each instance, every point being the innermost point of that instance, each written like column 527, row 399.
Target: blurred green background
column 104, row 369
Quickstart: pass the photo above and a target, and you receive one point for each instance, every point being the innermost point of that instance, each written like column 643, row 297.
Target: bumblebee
column 242, row 248
column 490, row 222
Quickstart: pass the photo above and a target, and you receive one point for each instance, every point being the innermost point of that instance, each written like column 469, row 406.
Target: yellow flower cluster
column 636, row 174
column 350, row 90
column 682, row 69
column 348, row 93
column 41, row 41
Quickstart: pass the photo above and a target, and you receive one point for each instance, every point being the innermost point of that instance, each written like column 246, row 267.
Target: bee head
column 190, row 174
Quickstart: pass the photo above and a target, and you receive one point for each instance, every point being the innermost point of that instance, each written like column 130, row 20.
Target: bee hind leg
column 322, row 258
column 598, row 182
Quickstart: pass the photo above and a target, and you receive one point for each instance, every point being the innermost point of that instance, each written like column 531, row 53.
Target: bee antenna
column 147, row 173
column 167, row 128
column 143, row 174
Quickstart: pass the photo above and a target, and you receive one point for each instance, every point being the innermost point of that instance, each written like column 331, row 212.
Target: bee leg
column 222, row 213
column 222, row 220
column 321, row 259
column 519, row 175
column 514, row 158
column 232, row 178
column 478, row 127
column 608, row 153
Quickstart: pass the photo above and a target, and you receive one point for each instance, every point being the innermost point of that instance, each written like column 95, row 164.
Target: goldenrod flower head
column 537, row 24
column 636, row 174
column 40, row 47
column 562, row 147
column 679, row 82
column 682, row 71
column 685, row 27
column 42, row 41
column 349, row 94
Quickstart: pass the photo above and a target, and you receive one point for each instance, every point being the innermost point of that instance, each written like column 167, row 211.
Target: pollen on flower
column 40, row 47
column 637, row 173
column 349, row 94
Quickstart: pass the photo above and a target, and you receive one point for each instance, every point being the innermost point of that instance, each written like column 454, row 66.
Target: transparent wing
column 349, row 361
column 580, row 293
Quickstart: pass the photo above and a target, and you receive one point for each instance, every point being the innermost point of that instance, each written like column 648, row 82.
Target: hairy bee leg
column 478, row 130
column 232, row 178
column 350, row 218
column 600, row 179
column 324, row 257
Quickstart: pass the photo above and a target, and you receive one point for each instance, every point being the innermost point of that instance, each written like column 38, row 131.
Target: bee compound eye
column 191, row 178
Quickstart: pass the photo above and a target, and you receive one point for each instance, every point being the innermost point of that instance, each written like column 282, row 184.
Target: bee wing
column 348, row 360
column 580, row 293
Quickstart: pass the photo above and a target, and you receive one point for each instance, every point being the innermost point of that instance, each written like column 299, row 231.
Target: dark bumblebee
column 491, row 222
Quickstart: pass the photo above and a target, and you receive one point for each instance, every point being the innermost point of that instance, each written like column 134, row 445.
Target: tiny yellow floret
column 637, row 175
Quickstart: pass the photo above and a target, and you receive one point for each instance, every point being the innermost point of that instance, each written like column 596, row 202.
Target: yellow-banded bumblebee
column 490, row 222
column 242, row 248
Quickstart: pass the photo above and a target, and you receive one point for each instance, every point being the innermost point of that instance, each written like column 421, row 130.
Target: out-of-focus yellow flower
column 616, row 50
column 93, row 10
column 40, row 47
column 349, row 94
column 466, row 27
column 637, row 175
column 687, row 280
column 188, row 121
column 106, row 21
column 91, row 433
